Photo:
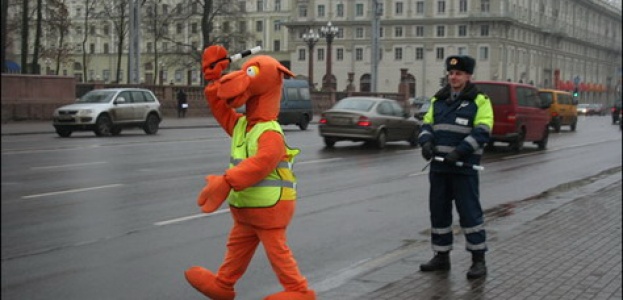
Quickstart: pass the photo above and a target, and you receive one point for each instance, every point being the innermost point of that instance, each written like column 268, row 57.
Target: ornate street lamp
column 162, row 66
column 311, row 39
column 329, row 32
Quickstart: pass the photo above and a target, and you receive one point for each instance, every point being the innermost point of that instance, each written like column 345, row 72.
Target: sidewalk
column 567, row 246
column 33, row 127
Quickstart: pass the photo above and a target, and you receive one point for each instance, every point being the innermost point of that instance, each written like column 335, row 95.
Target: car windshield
column 98, row 96
column 583, row 105
column 355, row 104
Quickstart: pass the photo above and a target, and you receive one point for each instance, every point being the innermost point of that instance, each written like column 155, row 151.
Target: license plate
column 340, row 121
column 65, row 118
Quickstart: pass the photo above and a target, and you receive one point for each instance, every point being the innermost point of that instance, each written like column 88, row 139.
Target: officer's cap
column 460, row 62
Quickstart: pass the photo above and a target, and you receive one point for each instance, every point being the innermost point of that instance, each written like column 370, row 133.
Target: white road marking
column 188, row 218
column 71, row 191
column 318, row 161
column 68, row 166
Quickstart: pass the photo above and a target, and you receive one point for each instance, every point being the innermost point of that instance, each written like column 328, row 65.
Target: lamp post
column 47, row 66
column 311, row 39
column 329, row 32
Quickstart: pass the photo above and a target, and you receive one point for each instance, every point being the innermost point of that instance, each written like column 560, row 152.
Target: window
column 358, row 54
column 277, row 25
column 484, row 5
column 226, row 27
column 484, row 53
column 398, row 31
column 320, row 54
column 399, row 9
column 321, row 11
column 137, row 96
column 91, row 48
column 179, row 28
column 441, row 31
column 106, row 48
column 259, row 43
column 106, row 75
column 78, row 30
column 419, row 53
column 441, row 7
column 484, row 30
column 193, row 28
column 359, row 9
column 359, row 32
column 303, row 11
column 462, row 51
column 419, row 31
column 276, row 45
column 165, row 9
column 259, row 26
column 242, row 26
column 165, row 47
column 301, row 54
column 398, row 53
column 440, row 53
column 462, row 30
column 260, row 5
column 106, row 30
column 419, row 8
column 339, row 54
column 340, row 10
column 463, row 6
column 92, row 29
column 277, row 5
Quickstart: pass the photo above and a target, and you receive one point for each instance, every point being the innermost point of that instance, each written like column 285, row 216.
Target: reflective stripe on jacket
column 464, row 125
column 280, row 184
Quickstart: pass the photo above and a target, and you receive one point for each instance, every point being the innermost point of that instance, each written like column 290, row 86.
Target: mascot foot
column 308, row 295
column 205, row 282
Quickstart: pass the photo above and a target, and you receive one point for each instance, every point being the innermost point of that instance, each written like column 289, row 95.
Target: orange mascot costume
column 259, row 184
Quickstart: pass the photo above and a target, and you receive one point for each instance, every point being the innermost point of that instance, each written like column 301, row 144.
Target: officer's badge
column 454, row 61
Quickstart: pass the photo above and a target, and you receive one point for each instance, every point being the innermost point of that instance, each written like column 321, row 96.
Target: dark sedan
column 368, row 119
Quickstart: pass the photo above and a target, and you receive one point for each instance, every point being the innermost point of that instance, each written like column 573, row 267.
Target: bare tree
column 116, row 11
column 89, row 10
column 4, row 13
column 59, row 23
column 36, row 68
column 24, row 34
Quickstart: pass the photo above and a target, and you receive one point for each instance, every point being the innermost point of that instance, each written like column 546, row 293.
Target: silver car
column 369, row 119
column 107, row 111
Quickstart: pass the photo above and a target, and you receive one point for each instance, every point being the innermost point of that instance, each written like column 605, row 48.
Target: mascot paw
column 213, row 62
column 308, row 295
column 214, row 193
column 205, row 282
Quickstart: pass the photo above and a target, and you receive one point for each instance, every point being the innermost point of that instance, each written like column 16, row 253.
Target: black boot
column 441, row 262
column 478, row 268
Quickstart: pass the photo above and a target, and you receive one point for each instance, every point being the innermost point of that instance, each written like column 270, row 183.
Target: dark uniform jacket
column 463, row 124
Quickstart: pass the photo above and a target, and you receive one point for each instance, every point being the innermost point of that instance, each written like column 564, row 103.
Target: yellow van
column 563, row 109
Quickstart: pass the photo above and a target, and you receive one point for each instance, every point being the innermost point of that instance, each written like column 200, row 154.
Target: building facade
column 565, row 44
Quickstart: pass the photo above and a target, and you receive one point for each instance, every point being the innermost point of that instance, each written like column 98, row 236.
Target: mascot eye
column 253, row 71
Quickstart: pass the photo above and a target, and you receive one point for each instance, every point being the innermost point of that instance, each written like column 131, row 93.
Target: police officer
column 456, row 127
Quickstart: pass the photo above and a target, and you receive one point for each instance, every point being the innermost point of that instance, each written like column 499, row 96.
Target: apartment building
column 564, row 44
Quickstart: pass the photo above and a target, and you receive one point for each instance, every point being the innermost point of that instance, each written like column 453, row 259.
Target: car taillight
column 554, row 114
column 613, row 109
column 364, row 122
column 323, row 120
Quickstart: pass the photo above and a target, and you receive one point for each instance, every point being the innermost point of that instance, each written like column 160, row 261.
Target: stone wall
column 34, row 97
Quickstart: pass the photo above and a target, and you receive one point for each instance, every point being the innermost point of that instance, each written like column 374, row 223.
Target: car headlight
column 85, row 112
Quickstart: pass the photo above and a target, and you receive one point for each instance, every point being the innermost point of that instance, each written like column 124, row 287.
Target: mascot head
column 258, row 86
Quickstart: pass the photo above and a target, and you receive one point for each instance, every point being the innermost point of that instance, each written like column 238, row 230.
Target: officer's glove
column 427, row 150
column 453, row 157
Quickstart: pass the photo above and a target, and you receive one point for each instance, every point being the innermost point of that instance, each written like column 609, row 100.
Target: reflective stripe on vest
column 280, row 184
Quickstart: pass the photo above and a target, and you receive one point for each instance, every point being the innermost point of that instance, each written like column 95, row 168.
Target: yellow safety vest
column 280, row 184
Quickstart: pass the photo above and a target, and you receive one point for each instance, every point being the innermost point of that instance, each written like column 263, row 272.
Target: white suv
column 107, row 111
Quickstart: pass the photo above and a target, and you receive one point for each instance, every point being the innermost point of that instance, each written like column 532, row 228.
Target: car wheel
column 115, row 130
column 329, row 142
column 63, row 131
column 517, row 144
column 556, row 126
column 304, row 122
column 151, row 124
column 381, row 139
column 103, row 126
column 542, row 144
